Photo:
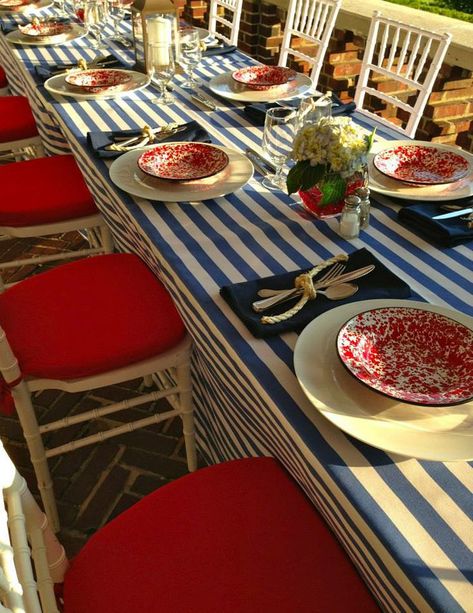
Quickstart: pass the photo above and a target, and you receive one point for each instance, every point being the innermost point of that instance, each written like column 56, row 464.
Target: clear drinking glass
column 116, row 10
column 313, row 108
column 95, row 14
column 161, row 68
column 278, row 136
column 190, row 54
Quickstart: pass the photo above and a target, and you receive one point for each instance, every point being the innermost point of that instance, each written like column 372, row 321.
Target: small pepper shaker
column 350, row 219
column 364, row 194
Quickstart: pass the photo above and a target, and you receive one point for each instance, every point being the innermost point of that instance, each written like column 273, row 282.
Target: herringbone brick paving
column 92, row 484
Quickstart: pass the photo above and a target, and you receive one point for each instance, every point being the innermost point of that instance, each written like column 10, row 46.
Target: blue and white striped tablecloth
column 407, row 524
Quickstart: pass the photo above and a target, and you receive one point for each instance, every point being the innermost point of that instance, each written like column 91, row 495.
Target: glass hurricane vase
column 323, row 208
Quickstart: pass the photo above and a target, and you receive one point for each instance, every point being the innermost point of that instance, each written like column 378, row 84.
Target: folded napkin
column 444, row 232
column 257, row 112
column 45, row 72
column 219, row 50
column 380, row 283
column 99, row 140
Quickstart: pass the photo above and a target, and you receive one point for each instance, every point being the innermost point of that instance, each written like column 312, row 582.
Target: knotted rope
column 304, row 282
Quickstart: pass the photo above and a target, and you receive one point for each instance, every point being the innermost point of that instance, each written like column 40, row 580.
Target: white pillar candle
column 159, row 32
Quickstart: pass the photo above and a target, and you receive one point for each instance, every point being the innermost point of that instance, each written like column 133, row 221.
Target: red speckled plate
column 98, row 80
column 416, row 356
column 421, row 164
column 44, row 29
column 263, row 77
column 183, row 161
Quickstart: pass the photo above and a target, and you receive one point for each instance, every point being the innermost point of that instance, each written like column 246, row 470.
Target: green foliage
column 333, row 189
column 458, row 9
column 304, row 176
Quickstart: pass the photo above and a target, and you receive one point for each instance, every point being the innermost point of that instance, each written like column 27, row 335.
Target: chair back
column 26, row 577
column 313, row 22
column 220, row 13
column 405, row 54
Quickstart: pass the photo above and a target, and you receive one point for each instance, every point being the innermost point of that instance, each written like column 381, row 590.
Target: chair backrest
column 399, row 52
column 220, row 10
column 313, row 22
column 26, row 578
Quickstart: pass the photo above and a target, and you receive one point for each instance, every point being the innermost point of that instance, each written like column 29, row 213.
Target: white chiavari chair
column 18, row 132
column 31, row 558
column 313, row 22
column 202, row 543
column 226, row 13
column 405, row 54
column 47, row 196
column 84, row 325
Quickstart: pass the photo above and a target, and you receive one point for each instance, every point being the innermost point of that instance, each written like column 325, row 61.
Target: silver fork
column 260, row 305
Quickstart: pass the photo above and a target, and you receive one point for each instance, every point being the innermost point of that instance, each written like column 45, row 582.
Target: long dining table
column 406, row 523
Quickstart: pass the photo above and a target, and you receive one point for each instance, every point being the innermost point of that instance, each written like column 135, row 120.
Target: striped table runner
column 406, row 524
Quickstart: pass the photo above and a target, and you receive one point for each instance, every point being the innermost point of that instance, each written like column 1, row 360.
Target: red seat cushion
column 238, row 537
column 3, row 78
column 17, row 119
column 89, row 317
column 43, row 191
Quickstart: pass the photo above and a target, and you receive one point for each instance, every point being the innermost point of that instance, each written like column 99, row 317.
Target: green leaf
column 333, row 189
column 294, row 176
column 312, row 175
column 370, row 140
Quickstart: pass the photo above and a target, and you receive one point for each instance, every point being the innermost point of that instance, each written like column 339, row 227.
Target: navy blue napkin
column 443, row 232
column 219, row 50
column 380, row 283
column 45, row 72
column 257, row 112
column 99, row 140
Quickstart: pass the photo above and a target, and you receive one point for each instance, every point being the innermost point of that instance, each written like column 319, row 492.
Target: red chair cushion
column 17, row 119
column 3, row 78
column 43, row 191
column 238, row 537
column 89, row 317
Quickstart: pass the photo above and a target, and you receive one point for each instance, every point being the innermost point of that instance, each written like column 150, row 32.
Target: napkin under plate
column 46, row 72
column 380, row 283
column 257, row 112
column 99, row 140
column 443, row 232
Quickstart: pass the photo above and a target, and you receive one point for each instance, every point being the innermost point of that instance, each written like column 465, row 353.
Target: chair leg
column 148, row 381
column 187, row 415
column 30, row 427
column 107, row 239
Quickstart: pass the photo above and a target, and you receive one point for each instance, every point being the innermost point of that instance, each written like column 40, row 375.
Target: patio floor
column 95, row 483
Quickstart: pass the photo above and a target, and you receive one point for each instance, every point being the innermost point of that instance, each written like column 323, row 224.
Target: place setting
column 46, row 32
column 23, row 6
column 432, row 183
column 181, row 171
column 260, row 84
column 395, row 374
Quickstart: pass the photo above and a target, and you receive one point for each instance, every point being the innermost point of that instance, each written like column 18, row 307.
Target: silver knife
column 259, row 160
column 454, row 214
column 204, row 100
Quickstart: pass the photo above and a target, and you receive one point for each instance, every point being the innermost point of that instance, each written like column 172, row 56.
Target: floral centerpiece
column 331, row 162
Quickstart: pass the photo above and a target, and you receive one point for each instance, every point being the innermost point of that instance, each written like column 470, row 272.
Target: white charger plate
column 225, row 86
column 407, row 191
column 17, row 38
column 58, row 85
column 126, row 175
column 429, row 433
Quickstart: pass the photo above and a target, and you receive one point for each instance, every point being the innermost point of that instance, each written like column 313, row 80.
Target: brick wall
column 448, row 117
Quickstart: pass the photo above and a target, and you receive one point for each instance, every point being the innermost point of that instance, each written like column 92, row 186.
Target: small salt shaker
column 364, row 194
column 350, row 219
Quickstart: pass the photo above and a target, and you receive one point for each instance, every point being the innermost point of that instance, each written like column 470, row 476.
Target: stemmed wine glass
column 95, row 14
column 116, row 9
column 161, row 68
column 278, row 136
column 190, row 54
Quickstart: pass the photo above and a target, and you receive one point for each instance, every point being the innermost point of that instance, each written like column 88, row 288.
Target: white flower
column 335, row 142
